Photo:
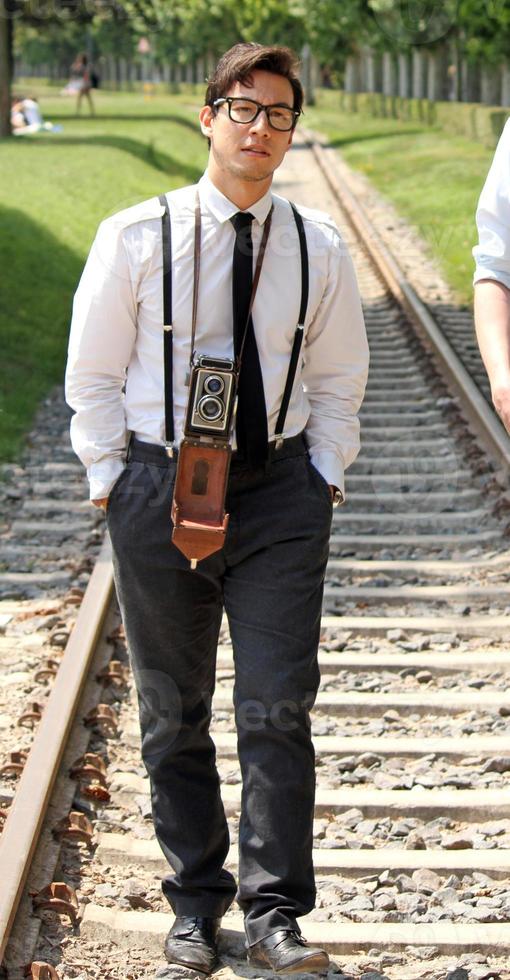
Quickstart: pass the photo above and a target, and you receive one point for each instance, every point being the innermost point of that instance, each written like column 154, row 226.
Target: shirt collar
column 222, row 209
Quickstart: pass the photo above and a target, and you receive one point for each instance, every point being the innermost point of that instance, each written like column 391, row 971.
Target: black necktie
column 251, row 424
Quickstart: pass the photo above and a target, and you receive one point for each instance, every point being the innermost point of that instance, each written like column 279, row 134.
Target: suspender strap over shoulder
column 298, row 336
column 167, row 324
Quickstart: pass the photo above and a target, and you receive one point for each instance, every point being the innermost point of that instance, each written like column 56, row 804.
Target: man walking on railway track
column 153, row 358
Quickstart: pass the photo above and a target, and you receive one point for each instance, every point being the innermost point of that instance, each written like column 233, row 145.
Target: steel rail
column 22, row 828
column 478, row 412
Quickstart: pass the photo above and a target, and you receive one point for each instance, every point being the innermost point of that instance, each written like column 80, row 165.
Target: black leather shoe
column 192, row 942
column 287, row 952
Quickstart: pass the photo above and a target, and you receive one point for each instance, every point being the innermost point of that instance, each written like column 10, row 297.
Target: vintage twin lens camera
column 198, row 504
column 211, row 399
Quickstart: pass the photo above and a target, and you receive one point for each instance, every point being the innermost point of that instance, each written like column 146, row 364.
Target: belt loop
column 128, row 447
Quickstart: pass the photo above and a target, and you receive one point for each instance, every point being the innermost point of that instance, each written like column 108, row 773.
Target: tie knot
column 241, row 221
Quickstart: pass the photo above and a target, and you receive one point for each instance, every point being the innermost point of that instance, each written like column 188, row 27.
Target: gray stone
column 384, row 901
column 457, row 842
column 392, row 715
column 499, row 763
column 482, row 972
column 495, row 828
column 406, row 902
column 427, row 881
column 106, row 890
column 415, row 842
column 483, row 879
column 395, row 635
column 485, row 915
column 373, row 975
column 453, row 881
column 350, row 817
column 144, row 805
column 366, row 826
column 369, row 759
column 446, row 896
column 401, row 828
column 461, row 908
column 347, row 763
column 458, row 974
column 423, row 952
column 358, row 904
column 405, row 883
column 386, row 877
column 133, row 887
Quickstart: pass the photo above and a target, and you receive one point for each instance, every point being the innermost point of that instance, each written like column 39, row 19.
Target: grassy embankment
column 55, row 188
column 434, row 179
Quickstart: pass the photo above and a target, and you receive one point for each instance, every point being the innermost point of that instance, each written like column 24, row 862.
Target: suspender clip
column 279, row 442
column 168, row 326
column 169, row 449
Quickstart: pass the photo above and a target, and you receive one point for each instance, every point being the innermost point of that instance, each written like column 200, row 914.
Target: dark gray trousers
column 269, row 579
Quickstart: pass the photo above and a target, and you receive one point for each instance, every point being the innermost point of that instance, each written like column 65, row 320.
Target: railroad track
column 411, row 725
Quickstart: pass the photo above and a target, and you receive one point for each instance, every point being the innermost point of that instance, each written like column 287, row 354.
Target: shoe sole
column 191, row 966
column 309, row 964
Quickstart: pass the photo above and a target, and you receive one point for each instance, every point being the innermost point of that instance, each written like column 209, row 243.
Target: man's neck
column 242, row 193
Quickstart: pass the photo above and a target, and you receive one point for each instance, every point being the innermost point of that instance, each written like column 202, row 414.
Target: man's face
column 249, row 151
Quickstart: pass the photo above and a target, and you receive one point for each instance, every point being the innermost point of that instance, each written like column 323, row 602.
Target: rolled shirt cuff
column 102, row 475
column 331, row 468
column 484, row 272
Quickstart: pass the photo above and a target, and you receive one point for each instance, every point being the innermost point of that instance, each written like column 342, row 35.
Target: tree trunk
column 5, row 74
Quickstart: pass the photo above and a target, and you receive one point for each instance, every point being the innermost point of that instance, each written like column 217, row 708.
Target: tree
column 337, row 29
column 5, row 76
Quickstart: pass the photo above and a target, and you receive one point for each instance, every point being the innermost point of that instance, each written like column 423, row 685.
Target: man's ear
column 206, row 116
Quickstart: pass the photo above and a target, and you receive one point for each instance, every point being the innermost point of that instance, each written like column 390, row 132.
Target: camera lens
column 210, row 408
column 214, row 385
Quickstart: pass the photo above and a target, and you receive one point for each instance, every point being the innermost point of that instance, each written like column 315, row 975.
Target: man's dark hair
column 238, row 63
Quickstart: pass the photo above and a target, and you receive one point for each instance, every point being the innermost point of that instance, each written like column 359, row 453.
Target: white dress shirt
column 492, row 254
column 116, row 337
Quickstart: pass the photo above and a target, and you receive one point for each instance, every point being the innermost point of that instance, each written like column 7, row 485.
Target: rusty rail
column 25, row 817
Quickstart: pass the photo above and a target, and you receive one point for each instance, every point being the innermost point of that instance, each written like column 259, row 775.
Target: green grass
column 434, row 179
column 54, row 191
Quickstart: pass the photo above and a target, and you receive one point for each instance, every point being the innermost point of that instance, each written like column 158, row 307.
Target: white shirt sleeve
column 336, row 368
column 492, row 254
column 103, row 332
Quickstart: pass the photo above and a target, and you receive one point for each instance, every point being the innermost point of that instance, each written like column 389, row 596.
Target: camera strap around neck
column 196, row 279
column 167, row 311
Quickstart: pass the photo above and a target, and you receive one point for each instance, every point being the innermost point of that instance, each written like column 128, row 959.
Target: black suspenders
column 300, row 329
column 168, row 326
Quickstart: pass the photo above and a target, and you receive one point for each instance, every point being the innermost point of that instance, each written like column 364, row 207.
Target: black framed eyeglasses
column 279, row 116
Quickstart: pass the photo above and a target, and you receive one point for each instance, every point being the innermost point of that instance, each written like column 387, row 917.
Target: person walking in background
column 293, row 325
column 492, row 277
column 81, row 82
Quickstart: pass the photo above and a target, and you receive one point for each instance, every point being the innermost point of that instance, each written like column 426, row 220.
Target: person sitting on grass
column 26, row 117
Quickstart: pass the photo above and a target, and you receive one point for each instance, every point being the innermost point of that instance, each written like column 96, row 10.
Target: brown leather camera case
column 198, row 505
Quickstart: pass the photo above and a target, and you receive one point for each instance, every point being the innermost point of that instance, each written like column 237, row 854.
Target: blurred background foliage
column 51, row 31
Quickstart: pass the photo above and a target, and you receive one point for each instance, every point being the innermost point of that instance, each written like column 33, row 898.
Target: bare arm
column 492, row 320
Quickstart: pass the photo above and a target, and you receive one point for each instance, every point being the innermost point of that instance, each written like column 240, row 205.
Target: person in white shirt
column 492, row 277
column 269, row 575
